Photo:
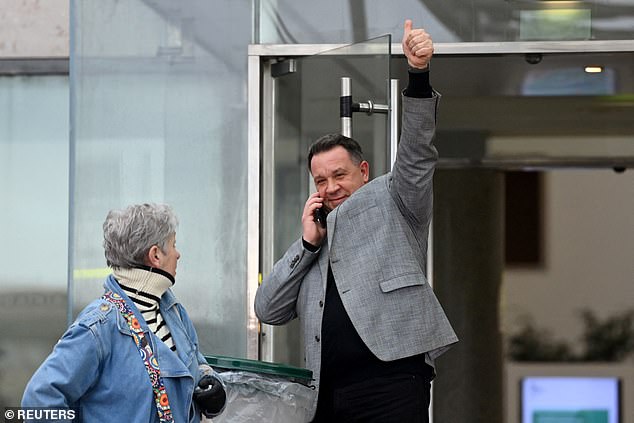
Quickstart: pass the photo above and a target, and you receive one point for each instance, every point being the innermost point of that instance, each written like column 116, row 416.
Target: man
column 371, row 323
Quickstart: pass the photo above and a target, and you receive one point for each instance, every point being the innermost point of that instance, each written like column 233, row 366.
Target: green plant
column 610, row 339
column 532, row 344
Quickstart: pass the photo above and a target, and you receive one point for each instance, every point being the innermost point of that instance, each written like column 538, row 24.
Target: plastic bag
column 261, row 398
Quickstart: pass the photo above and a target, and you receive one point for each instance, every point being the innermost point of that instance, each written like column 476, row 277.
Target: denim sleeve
column 68, row 372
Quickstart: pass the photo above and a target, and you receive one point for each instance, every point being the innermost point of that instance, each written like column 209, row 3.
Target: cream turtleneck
column 145, row 288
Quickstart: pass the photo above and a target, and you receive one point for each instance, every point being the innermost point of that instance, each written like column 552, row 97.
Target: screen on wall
column 570, row 399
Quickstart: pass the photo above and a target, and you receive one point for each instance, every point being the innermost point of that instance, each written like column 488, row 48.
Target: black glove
column 210, row 396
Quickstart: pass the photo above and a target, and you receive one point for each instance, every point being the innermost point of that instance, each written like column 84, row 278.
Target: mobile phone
column 319, row 216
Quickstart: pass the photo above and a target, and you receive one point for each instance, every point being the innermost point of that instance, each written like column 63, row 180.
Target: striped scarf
column 145, row 289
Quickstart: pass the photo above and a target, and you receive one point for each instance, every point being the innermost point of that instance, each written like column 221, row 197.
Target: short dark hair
column 330, row 141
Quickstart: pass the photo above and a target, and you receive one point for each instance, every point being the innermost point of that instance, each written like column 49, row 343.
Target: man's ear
column 153, row 257
column 365, row 170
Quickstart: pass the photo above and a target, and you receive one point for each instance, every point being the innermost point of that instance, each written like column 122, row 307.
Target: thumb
column 407, row 28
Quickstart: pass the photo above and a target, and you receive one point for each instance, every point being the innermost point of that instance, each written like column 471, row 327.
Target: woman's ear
column 153, row 257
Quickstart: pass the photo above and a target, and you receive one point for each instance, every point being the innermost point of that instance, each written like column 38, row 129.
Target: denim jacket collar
column 170, row 364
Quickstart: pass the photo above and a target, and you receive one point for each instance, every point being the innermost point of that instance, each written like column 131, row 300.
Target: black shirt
column 345, row 359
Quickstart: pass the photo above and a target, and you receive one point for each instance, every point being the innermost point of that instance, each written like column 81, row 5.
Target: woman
column 131, row 355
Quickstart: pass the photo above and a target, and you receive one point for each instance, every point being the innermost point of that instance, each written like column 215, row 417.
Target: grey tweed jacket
column 377, row 247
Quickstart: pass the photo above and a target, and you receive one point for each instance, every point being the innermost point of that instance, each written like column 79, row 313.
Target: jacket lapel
column 323, row 266
column 324, row 257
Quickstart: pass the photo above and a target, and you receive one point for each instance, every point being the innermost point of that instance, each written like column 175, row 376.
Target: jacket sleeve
column 68, row 372
column 276, row 297
column 412, row 176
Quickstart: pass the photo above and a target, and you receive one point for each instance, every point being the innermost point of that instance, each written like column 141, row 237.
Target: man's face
column 336, row 176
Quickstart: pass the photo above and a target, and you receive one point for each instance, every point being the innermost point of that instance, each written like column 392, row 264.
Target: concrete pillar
column 467, row 273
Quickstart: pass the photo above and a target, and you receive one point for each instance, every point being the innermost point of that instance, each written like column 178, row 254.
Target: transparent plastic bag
column 259, row 398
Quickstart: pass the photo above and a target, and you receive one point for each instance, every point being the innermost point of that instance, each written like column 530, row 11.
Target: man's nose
column 332, row 186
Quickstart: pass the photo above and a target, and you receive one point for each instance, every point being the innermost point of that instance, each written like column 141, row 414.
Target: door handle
column 347, row 107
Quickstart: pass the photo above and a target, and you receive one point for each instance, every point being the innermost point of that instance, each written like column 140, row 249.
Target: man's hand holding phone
column 313, row 231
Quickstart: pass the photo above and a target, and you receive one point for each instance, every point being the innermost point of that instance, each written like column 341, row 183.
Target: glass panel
column 334, row 21
column 33, row 224
column 307, row 107
column 160, row 116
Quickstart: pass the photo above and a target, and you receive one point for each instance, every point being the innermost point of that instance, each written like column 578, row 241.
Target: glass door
column 303, row 104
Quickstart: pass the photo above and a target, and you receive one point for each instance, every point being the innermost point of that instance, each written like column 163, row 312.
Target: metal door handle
column 347, row 107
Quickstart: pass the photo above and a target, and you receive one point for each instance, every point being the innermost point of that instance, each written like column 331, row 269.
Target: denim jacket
column 96, row 368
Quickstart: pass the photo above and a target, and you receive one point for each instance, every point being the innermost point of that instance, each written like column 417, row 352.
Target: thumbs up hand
column 417, row 46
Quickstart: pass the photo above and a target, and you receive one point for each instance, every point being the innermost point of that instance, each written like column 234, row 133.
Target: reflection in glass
column 160, row 116
column 33, row 224
column 449, row 21
column 556, row 24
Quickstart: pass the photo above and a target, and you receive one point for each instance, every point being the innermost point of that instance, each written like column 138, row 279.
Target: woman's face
column 169, row 257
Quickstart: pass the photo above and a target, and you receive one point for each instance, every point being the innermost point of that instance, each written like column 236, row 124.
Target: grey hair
column 128, row 234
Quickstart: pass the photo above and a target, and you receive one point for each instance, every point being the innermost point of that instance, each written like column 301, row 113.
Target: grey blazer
column 377, row 247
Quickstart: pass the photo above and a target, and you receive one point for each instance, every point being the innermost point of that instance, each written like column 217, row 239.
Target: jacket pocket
column 403, row 281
